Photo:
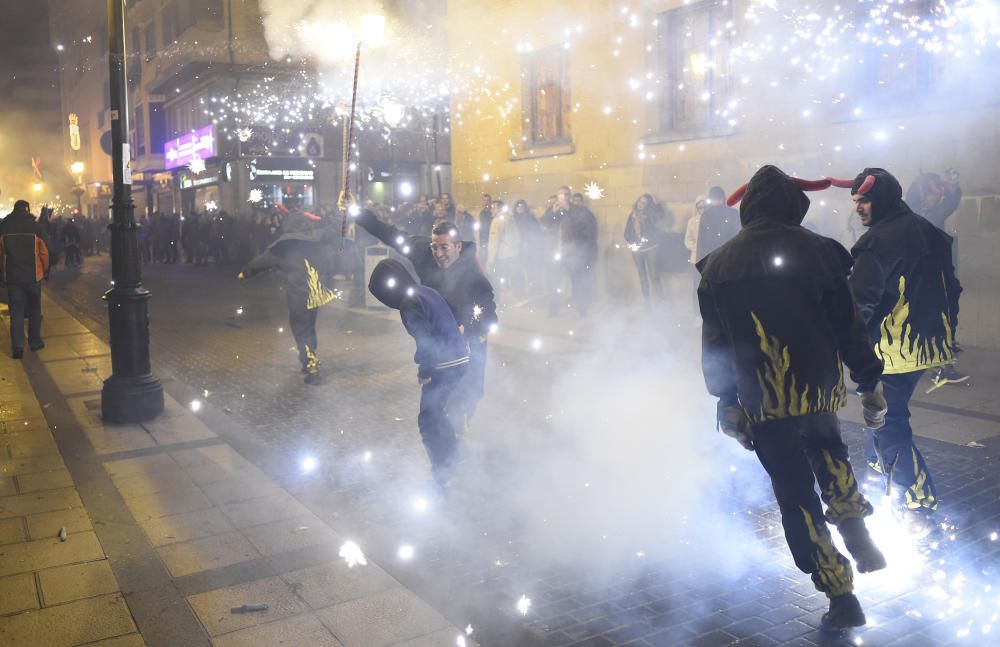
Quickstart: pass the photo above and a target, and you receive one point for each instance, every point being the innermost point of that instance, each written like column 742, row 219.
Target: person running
column 442, row 358
column 778, row 322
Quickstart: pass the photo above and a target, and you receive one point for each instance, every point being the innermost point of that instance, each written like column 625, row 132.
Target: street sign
column 106, row 142
column 181, row 151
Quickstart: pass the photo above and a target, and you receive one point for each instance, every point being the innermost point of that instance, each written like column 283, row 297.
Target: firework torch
column 372, row 32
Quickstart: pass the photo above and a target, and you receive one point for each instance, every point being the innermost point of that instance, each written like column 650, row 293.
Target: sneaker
column 17, row 353
column 919, row 522
column 37, row 347
column 845, row 612
column 867, row 556
column 313, row 378
column 946, row 375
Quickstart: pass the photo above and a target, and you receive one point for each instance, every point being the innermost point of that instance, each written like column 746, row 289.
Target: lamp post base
column 131, row 400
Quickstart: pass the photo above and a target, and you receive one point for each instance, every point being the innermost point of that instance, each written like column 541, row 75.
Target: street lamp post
column 132, row 393
column 76, row 168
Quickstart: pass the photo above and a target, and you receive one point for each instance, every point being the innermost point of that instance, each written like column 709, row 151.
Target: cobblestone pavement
column 595, row 486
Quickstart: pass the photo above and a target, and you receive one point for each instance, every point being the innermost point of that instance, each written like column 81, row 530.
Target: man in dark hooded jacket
column 442, row 356
column 577, row 248
column 936, row 199
column 778, row 322
column 718, row 224
column 24, row 262
column 449, row 265
column 906, row 290
column 302, row 255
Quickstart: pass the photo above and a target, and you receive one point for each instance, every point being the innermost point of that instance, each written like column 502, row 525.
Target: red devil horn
column 311, row 216
column 737, row 195
column 812, row 185
column 280, row 207
column 843, row 184
column 866, row 185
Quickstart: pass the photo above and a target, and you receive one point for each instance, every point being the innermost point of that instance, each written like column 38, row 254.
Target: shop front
column 199, row 192
column 275, row 180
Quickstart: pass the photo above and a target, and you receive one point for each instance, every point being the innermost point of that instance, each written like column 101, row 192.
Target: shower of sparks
column 351, row 553
column 477, row 312
column 523, row 605
column 197, row 166
column 256, row 195
column 211, row 205
column 244, row 134
column 592, row 191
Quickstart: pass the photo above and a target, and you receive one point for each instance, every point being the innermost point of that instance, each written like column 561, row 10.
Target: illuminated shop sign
column 184, row 149
column 278, row 171
column 188, row 182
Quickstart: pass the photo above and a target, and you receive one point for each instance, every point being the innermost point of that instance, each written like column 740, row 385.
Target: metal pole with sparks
column 347, row 143
column 132, row 393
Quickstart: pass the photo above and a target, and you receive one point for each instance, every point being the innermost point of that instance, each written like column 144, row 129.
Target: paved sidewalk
column 550, row 481
column 167, row 528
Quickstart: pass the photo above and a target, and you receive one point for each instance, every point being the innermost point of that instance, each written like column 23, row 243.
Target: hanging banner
column 74, row 132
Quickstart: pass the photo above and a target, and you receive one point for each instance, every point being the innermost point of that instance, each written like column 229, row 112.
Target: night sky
column 29, row 120
column 24, row 32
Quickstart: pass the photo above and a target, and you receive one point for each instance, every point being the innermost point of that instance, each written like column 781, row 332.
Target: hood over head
column 773, row 194
column 883, row 190
column 389, row 282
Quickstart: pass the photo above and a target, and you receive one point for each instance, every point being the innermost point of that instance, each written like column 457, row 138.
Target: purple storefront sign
column 180, row 151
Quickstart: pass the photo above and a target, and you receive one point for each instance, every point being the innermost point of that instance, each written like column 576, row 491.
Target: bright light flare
column 372, row 29
column 195, row 405
column 405, row 552
column 523, row 605
column 351, row 553
column 308, row 464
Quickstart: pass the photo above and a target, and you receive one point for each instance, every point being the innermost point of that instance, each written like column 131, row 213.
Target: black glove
column 733, row 422
column 874, row 407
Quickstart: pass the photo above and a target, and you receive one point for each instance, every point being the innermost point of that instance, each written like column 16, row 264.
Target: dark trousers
column 25, row 301
column 798, row 452
column 581, row 277
column 436, row 429
column 303, row 324
column 645, row 265
column 469, row 390
column 893, row 443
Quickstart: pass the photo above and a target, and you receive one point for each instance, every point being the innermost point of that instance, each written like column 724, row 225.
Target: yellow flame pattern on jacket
column 903, row 351
column 319, row 294
column 781, row 395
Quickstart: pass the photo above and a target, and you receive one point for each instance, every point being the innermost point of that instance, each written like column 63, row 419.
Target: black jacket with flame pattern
column 778, row 317
column 302, row 254
column 904, row 282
